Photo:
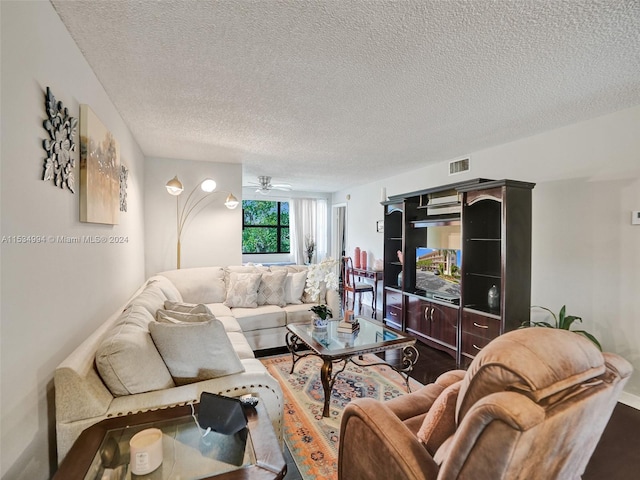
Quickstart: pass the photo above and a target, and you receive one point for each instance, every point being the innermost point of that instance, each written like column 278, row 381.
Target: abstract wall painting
column 124, row 175
column 99, row 171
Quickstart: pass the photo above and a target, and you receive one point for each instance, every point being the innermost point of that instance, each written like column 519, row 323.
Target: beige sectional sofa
column 131, row 363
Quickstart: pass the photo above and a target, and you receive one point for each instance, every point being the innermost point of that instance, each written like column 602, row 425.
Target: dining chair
column 349, row 285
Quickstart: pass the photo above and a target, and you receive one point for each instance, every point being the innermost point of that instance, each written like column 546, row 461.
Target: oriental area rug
column 313, row 439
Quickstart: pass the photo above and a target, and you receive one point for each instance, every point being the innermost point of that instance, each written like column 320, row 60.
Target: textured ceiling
column 327, row 94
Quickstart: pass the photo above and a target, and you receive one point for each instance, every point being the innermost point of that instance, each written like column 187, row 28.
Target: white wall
column 586, row 253
column 53, row 295
column 213, row 233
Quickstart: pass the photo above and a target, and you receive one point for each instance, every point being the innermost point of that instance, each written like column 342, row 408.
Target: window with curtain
column 265, row 227
column 309, row 220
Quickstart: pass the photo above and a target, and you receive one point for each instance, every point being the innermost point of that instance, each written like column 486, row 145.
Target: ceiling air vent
column 459, row 166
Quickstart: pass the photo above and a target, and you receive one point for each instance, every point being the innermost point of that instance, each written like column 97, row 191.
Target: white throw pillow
column 186, row 307
column 168, row 316
column 294, row 287
column 127, row 359
column 271, row 289
column 243, row 290
column 195, row 351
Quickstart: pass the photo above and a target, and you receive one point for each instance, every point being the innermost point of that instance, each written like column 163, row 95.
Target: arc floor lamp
column 208, row 186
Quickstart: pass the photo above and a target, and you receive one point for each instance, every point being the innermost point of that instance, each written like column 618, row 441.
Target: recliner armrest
column 374, row 443
column 420, row 401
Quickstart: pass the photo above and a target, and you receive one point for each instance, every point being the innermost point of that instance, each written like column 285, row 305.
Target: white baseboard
column 630, row 400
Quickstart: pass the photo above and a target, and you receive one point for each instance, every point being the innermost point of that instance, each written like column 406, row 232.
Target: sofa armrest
column 420, row 401
column 374, row 443
column 255, row 380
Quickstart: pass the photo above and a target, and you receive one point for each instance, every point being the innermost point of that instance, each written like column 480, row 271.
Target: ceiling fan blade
column 281, row 187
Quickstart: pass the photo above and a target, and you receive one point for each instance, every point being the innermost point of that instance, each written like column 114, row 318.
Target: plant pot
column 319, row 323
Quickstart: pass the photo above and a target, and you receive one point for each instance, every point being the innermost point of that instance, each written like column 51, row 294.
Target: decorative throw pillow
column 440, row 421
column 168, row 316
column 127, row 359
column 243, row 290
column 294, row 286
column 195, row 351
column 237, row 269
column 271, row 289
column 186, row 307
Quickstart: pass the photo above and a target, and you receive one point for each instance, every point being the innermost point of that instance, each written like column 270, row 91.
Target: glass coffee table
column 335, row 347
column 102, row 450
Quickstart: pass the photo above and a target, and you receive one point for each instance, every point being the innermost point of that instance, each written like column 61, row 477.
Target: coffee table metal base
column 328, row 377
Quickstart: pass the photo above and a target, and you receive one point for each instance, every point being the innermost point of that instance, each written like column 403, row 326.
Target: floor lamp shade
column 208, row 186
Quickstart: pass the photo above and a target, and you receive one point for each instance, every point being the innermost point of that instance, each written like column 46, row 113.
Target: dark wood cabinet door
column 416, row 315
column 444, row 323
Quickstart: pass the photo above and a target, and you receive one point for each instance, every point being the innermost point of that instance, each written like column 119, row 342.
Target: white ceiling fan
column 265, row 186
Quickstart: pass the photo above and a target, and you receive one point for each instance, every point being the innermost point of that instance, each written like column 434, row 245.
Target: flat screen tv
column 438, row 273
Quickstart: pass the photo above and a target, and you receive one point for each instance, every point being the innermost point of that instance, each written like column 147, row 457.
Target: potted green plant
column 563, row 322
column 321, row 316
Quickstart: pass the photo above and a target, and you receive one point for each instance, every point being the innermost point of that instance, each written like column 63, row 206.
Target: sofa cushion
column 294, row 287
column 230, row 324
column 298, row 313
column 271, row 289
column 127, row 359
column 168, row 288
column 152, row 298
column 219, row 309
column 195, row 351
column 265, row 316
column 199, row 285
column 186, row 307
column 243, row 290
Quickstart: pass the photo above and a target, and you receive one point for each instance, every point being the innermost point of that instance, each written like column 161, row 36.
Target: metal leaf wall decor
column 124, row 175
column 62, row 128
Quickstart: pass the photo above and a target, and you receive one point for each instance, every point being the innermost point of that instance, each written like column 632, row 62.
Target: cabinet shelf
column 495, row 276
column 395, row 239
column 482, row 310
column 484, row 239
column 454, row 203
column 436, row 221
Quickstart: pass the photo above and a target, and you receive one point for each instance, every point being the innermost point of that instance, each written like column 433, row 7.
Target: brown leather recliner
column 532, row 405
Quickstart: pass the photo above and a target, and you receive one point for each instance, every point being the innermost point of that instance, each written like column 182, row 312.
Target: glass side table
column 102, row 450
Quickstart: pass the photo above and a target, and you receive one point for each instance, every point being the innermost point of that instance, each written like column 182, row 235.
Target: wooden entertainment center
column 488, row 224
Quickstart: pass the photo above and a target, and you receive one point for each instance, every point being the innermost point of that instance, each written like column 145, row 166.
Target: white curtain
column 308, row 220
